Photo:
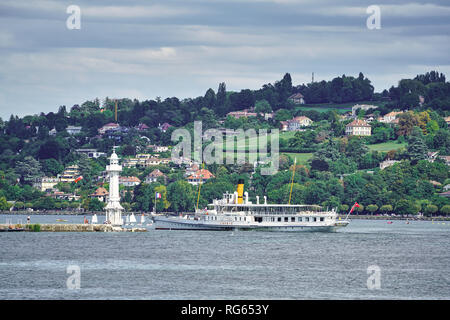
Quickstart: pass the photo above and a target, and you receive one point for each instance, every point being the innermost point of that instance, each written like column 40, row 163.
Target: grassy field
column 339, row 107
column 302, row 158
column 387, row 146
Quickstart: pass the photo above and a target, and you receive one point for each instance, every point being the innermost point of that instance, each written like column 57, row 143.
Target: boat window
column 293, row 219
column 314, row 219
column 307, row 219
column 286, row 219
column 321, row 219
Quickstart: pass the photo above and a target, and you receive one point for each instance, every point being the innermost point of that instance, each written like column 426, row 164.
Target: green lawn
column 387, row 146
column 302, row 158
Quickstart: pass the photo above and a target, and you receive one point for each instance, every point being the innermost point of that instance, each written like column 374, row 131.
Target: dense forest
column 339, row 171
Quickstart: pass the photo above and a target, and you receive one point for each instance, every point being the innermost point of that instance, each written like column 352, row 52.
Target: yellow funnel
column 240, row 191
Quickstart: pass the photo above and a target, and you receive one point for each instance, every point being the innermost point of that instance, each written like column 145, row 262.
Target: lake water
column 413, row 261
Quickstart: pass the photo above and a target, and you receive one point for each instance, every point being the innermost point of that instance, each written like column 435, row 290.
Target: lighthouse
column 113, row 208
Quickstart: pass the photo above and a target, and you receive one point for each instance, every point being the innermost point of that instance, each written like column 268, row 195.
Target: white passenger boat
column 234, row 213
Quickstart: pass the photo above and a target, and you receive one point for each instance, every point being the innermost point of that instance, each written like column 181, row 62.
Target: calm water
column 414, row 261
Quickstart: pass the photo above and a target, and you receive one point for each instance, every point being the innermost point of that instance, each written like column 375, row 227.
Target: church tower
column 113, row 208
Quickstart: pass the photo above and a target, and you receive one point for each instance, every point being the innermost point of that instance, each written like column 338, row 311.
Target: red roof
column 358, row 123
column 203, row 174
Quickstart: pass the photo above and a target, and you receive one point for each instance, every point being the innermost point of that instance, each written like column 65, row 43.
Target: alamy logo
column 74, row 280
column 238, row 147
column 74, row 20
column 374, row 20
column 374, row 279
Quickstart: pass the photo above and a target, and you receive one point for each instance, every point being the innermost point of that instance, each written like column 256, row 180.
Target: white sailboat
column 127, row 220
column 132, row 218
column 142, row 219
column 94, row 219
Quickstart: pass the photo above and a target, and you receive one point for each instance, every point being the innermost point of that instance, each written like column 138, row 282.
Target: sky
column 141, row 49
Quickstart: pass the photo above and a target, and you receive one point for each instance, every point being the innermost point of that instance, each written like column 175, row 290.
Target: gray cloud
column 141, row 50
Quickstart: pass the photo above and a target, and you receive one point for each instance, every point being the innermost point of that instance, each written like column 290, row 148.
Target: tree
column 181, row 196
column 431, row 209
column 263, row 106
column 29, row 169
column 417, row 149
column 372, row 208
column 4, row 205
column 386, row 209
column 96, row 205
column 406, row 207
column 445, row 210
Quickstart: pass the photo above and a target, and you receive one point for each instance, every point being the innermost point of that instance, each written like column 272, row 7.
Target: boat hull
column 171, row 223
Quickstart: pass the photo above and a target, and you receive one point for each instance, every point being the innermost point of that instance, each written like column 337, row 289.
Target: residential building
column 52, row 132
column 154, row 175
column 363, row 107
column 70, row 174
column 200, row 176
column 297, row 98
column 100, row 194
column 387, row 163
column 295, row 124
column 142, row 127
column 59, row 195
column 72, row 130
column 242, row 113
column 358, row 128
column 129, row 181
column 159, row 148
column 108, row 127
column 164, row 127
column 91, row 153
column 391, row 117
column 46, row 183
column 447, row 120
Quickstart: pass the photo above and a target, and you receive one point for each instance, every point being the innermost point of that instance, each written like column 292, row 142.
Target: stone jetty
column 44, row 227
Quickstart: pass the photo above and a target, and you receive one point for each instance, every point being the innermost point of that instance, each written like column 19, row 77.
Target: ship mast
column 292, row 182
column 200, row 183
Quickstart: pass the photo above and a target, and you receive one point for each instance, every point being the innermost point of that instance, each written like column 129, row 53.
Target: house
column 447, row 120
column 91, row 153
column 447, row 187
column 129, row 181
column 52, row 132
column 142, row 127
column 164, row 127
column 387, row 163
column 108, row 127
column 295, row 124
column 46, row 183
column 101, row 194
column 242, row 113
column 59, row 195
column 72, row 130
column 446, row 159
column 362, row 107
column 200, row 176
column 159, row 148
column 390, row 117
column 154, row 175
column 191, row 169
column 297, row 98
column 358, row 128
column 70, row 174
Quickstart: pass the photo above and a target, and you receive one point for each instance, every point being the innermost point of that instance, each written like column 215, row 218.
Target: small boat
column 127, row 220
column 94, row 219
column 61, row 220
column 132, row 218
column 389, row 222
column 142, row 219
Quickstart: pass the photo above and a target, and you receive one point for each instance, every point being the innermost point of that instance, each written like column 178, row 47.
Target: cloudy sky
column 143, row 49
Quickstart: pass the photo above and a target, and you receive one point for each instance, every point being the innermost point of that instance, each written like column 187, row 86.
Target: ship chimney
column 257, row 199
column 265, row 200
column 240, row 191
column 246, row 197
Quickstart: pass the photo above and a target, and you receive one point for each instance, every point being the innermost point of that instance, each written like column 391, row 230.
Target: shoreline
column 341, row 216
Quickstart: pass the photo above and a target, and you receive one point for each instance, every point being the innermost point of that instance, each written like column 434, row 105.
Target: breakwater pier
column 50, row 227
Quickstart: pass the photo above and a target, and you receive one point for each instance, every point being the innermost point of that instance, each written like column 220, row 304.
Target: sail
column 132, row 218
column 94, row 218
column 142, row 219
column 128, row 219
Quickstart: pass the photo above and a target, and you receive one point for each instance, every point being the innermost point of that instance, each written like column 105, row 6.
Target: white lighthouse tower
column 113, row 208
